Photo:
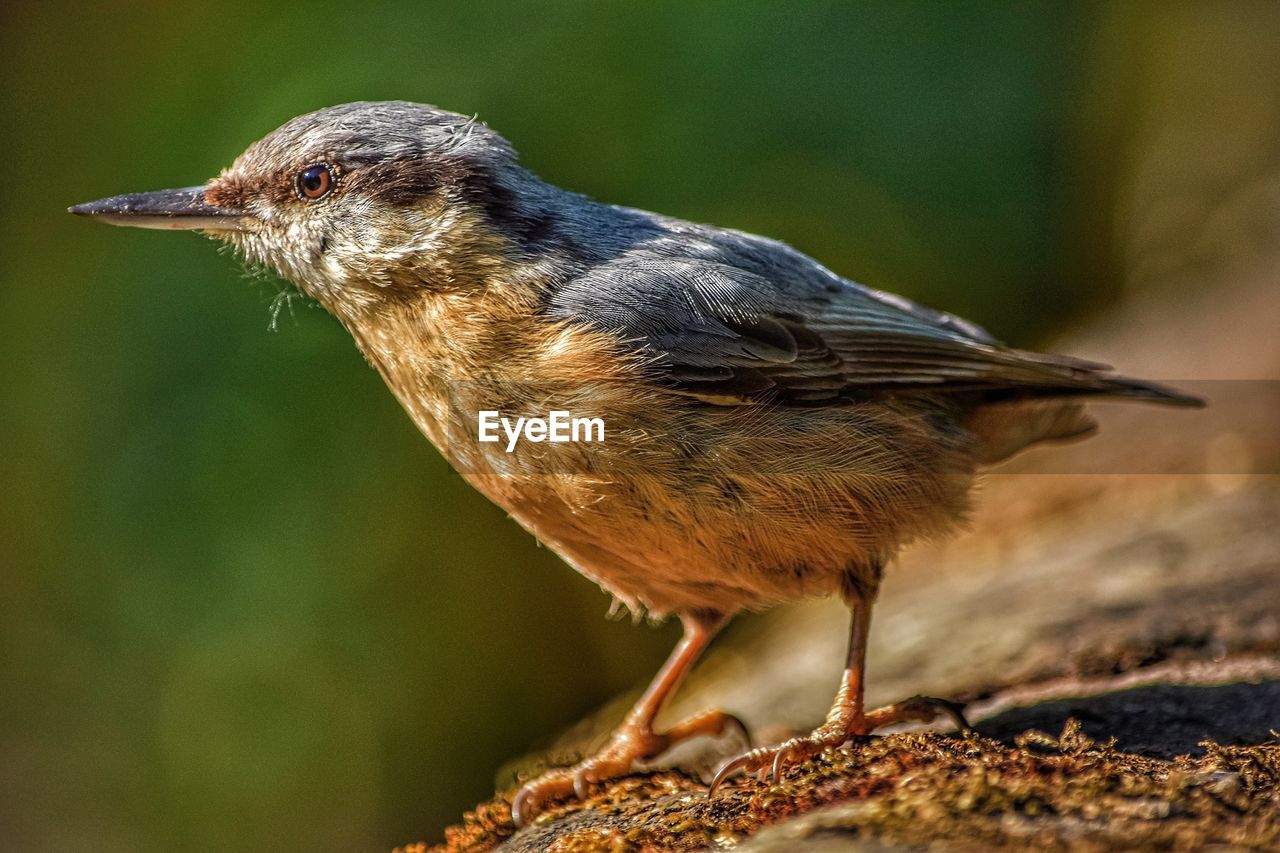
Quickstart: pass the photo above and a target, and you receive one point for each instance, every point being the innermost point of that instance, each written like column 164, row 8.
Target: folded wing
column 731, row 318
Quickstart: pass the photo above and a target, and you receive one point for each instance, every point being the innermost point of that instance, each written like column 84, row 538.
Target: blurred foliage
column 246, row 606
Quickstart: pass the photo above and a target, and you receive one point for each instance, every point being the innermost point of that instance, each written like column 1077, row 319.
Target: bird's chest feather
column 527, row 410
column 769, row 501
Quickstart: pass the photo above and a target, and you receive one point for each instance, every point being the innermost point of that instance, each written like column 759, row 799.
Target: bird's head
column 360, row 203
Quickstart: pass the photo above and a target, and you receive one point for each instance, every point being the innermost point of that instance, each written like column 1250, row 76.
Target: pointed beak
column 175, row 210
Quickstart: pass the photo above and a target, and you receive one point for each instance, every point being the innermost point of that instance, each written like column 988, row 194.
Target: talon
column 519, row 805
column 733, row 722
column 775, row 772
column 530, row 799
column 955, row 711
column 580, row 781
column 726, row 770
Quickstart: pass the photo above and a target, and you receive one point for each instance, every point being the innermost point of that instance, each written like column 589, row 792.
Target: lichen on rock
column 1045, row 792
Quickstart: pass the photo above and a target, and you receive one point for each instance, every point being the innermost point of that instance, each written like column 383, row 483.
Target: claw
column 531, row 797
column 727, row 769
column 580, row 781
column 519, row 805
column 955, row 711
column 766, row 762
column 740, row 728
column 775, row 772
column 525, row 804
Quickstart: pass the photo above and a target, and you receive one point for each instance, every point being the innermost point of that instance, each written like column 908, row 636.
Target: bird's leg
column 847, row 718
column 636, row 739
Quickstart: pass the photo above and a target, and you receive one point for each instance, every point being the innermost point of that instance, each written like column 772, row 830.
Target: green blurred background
column 245, row 605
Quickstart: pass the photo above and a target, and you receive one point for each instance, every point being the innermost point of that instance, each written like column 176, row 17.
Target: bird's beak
column 176, row 210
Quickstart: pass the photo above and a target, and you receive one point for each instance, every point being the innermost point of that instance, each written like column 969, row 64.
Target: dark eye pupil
column 315, row 181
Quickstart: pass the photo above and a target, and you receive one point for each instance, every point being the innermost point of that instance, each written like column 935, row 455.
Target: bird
column 771, row 430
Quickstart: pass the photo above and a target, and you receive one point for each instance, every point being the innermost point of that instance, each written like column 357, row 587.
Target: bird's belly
column 730, row 508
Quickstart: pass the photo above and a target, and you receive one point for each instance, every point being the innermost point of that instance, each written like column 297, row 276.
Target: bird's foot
column 632, row 743
column 841, row 726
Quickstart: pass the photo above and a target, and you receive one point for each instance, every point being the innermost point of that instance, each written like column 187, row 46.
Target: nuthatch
column 771, row 430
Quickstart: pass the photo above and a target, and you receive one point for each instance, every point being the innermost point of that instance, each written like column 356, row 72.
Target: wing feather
column 728, row 317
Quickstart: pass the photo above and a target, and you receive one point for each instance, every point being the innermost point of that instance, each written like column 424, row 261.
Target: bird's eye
column 315, row 182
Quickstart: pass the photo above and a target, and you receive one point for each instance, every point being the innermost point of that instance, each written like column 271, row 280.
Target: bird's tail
column 1068, row 376
column 1141, row 389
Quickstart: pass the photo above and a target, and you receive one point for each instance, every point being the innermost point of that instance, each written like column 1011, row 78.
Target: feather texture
column 728, row 317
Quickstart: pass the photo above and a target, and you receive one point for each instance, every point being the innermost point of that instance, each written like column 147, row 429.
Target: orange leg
column 636, row 739
column 847, row 718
